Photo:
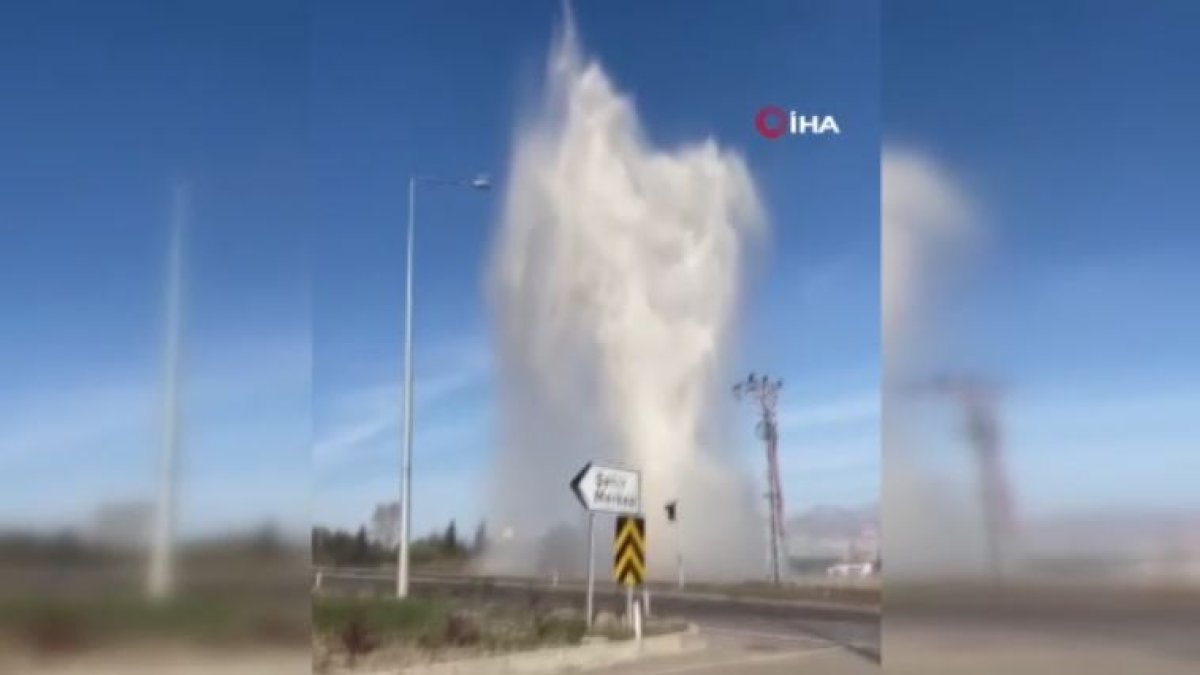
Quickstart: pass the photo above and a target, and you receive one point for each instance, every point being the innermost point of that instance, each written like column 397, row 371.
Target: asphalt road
column 749, row 637
column 751, row 653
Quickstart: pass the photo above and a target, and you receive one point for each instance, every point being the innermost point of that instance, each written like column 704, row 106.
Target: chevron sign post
column 629, row 550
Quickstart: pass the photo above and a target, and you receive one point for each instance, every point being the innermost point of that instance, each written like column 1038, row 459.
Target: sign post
column 591, row 584
column 602, row 489
column 637, row 622
column 629, row 560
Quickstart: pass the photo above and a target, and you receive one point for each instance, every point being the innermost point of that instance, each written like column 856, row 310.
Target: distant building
column 837, row 533
column 857, row 570
column 1148, row 547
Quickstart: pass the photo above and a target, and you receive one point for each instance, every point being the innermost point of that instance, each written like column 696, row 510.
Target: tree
column 385, row 524
column 480, row 542
column 362, row 547
column 560, row 551
column 266, row 540
column 342, row 547
column 450, row 540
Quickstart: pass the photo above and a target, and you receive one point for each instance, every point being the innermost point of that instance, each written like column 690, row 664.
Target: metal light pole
column 672, row 509
column 480, row 182
column 160, row 579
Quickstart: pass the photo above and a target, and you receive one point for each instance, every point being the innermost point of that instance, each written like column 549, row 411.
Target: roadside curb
column 834, row 609
column 848, row 610
column 558, row 659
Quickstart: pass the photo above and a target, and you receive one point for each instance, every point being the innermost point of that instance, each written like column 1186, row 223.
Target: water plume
column 928, row 226
column 614, row 285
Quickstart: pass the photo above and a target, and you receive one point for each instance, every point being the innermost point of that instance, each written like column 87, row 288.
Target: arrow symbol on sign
column 608, row 489
column 577, row 485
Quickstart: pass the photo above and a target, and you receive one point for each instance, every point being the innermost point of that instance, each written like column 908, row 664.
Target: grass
column 436, row 622
column 412, row 618
column 73, row 623
column 434, row 627
column 560, row 630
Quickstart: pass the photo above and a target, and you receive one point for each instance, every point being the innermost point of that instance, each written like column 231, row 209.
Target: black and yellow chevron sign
column 629, row 550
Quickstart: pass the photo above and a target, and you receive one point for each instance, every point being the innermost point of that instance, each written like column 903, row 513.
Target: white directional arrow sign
column 608, row 490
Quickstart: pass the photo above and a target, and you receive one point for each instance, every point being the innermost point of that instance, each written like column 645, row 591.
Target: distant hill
column 1113, row 532
column 834, row 531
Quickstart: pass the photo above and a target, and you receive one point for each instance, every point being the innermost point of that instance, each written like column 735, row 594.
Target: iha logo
column 773, row 122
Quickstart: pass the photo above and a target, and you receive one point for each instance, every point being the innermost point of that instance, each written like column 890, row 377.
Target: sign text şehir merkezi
column 615, row 490
column 608, row 489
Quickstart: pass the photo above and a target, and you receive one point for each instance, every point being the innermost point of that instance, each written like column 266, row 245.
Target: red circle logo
column 771, row 122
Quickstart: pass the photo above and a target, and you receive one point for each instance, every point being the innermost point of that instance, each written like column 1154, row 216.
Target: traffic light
column 671, row 511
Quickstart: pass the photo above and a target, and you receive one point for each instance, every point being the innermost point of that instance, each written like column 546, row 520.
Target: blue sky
column 1070, row 130
column 106, row 105
column 279, row 118
column 296, row 129
column 437, row 89
column 1067, row 131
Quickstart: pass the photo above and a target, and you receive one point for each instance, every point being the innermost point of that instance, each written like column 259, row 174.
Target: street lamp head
column 481, row 182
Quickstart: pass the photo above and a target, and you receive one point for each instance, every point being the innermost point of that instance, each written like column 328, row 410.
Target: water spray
column 615, row 285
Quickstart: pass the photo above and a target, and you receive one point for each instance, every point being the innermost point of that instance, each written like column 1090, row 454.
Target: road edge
column 558, row 659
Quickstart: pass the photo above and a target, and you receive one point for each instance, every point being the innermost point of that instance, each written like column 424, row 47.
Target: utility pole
column 978, row 399
column 765, row 392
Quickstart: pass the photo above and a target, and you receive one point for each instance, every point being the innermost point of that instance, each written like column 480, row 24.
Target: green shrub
column 408, row 619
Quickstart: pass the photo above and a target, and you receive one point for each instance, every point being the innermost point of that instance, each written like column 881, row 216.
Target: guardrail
column 858, row 602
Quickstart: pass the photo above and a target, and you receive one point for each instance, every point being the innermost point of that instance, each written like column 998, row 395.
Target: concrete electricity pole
column 160, row 579
column 978, row 399
column 765, row 392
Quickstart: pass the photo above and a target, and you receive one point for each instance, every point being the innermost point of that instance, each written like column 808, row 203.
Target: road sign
column 609, row 490
column 629, row 550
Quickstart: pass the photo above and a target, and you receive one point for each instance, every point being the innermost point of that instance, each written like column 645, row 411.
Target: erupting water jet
column 614, row 285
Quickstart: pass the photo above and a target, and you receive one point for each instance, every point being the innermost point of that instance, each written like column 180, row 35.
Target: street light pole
column 480, row 182
column 679, row 555
column 673, row 516
column 406, row 466
column 160, row 580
